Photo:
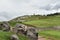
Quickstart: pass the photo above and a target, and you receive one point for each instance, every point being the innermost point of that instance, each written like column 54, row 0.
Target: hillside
column 48, row 21
column 6, row 36
column 38, row 20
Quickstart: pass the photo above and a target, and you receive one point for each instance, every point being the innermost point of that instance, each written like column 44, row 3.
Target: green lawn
column 55, row 35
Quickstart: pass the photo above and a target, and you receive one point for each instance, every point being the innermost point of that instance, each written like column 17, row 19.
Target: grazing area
column 41, row 22
column 46, row 22
column 38, row 20
column 6, row 36
column 48, row 27
column 50, row 34
column 29, row 19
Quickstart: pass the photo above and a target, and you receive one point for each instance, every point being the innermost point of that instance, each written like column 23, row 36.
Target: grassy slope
column 6, row 36
column 12, row 23
column 46, row 22
column 40, row 21
column 55, row 35
column 50, row 21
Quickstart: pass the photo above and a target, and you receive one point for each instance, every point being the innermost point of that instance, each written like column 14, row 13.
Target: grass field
column 44, row 22
column 6, row 36
column 54, row 35
column 40, row 21
column 47, row 22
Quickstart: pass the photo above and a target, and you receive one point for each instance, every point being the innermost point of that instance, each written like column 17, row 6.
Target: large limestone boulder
column 21, row 28
column 32, row 32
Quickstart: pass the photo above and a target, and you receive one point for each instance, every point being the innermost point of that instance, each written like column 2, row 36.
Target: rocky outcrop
column 30, row 32
column 5, row 26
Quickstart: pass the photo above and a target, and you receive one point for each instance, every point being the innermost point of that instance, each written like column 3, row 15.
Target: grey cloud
column 57, row 6
column 52, row 6
column 47, row 7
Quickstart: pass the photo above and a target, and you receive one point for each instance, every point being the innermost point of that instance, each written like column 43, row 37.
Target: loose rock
column 14, row 37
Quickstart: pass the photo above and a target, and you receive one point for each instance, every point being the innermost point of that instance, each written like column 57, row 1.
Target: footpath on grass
column 41, row 38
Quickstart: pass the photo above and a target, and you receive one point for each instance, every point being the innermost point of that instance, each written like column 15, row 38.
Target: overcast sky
column 12, row 8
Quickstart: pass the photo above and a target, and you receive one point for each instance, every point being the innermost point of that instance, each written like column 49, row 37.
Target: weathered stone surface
column 5, row 26
column 14, row 37
column 32, row 33
column 21, row 28
column 13, row 29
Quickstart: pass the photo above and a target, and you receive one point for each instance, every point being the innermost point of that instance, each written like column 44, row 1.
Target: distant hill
column 33, row 17
column 38, row 20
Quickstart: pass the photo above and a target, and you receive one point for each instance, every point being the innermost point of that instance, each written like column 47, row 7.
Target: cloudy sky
column 12, row 8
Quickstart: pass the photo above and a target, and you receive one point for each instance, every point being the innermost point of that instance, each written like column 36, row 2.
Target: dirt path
column 41, row 38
